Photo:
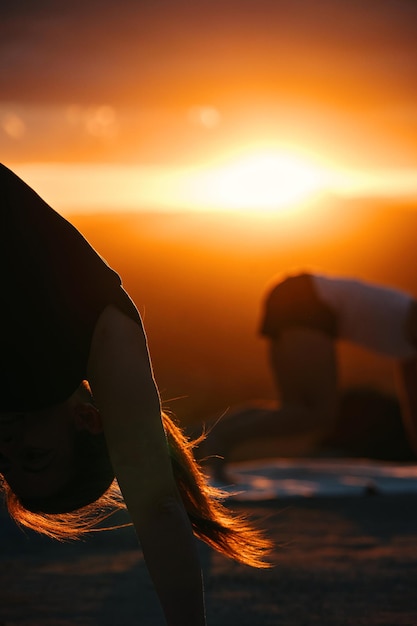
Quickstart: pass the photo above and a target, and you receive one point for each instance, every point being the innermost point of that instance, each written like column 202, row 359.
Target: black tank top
column 54, row 287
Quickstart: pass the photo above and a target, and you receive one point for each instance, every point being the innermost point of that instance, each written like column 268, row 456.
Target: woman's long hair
column 93, row 495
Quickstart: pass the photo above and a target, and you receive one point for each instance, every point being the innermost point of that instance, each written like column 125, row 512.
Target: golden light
column 258, row 181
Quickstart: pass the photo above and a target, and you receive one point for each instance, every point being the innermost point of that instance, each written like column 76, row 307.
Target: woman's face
column 36, row 449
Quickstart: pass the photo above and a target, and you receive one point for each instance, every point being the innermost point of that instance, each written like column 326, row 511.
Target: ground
column 338, row 561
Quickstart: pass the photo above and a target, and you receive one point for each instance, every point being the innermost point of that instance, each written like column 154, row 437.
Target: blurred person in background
column 304, row 316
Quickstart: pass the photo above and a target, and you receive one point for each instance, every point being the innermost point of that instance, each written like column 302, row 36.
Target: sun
column 255, row 181
column 258, row 181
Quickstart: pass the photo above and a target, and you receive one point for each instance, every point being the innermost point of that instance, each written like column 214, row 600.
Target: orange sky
column 173, row 104
column 174, row 84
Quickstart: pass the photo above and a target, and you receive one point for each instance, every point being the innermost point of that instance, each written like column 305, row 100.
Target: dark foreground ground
column 350, row 561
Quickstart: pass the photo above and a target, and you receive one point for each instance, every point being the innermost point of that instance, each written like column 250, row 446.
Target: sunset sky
column 228, row 104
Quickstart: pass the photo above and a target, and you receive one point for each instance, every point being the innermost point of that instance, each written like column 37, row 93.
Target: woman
column 65, row 319
column 304, row 317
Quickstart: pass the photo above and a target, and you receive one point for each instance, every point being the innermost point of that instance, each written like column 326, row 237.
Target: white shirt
column 369, row 315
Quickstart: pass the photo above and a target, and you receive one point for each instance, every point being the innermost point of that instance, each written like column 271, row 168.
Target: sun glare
column 259, row 181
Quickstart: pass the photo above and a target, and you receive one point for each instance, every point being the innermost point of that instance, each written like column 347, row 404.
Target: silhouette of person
column 79, row 406
column 304, row 315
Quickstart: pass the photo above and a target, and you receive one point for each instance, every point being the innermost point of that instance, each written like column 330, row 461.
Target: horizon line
column 94, row 188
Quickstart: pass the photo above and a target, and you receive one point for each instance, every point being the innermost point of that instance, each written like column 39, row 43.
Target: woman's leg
column 304, row 367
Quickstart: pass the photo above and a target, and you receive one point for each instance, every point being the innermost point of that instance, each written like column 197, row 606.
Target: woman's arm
column 407, row 383
column 124, row 389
